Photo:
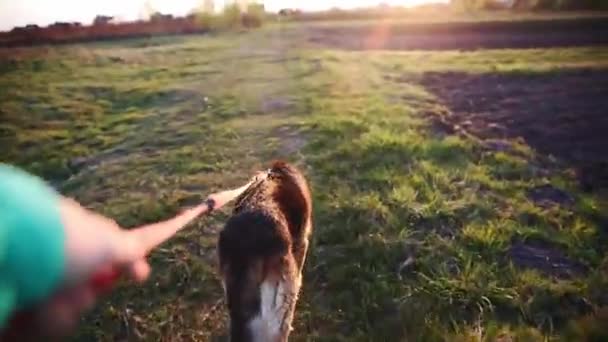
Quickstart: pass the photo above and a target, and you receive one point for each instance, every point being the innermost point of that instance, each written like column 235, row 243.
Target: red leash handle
column 104, row 281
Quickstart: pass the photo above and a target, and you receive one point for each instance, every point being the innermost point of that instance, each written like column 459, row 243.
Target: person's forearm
column 32, row 256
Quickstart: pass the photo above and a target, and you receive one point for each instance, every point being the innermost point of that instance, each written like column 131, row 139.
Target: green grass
column 391, row 190
column 137, row 129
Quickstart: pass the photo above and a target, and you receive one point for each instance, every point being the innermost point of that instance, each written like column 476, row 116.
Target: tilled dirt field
column 461, row 36
column 562, row 114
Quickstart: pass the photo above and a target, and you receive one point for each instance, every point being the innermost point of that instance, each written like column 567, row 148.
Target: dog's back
column 262, row 251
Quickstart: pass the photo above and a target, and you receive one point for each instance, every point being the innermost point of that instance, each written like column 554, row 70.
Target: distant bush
column 251, row 21
column 206, row 21
column 159, row 24
column 254, row 17
column 370, row 13
column 232, row 18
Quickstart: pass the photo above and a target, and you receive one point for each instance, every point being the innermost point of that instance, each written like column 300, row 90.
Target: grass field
column 425, row 230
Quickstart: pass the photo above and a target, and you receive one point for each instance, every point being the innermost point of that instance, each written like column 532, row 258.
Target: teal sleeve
column 32, row 246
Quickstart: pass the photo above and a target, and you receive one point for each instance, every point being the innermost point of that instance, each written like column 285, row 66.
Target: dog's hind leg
column 278, row 298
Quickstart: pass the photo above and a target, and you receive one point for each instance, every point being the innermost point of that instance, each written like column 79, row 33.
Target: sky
column 43, row 12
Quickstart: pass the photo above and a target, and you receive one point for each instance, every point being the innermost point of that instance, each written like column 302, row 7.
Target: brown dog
column 262, row 250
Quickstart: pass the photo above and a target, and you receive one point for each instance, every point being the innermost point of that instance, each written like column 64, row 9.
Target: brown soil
column 464, row 35
column 547, row 195
column 561, row 114
column 545, row 258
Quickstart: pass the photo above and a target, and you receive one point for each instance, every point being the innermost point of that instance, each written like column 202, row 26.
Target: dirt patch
column 282, row 59
column 548, row 195
column 290, row 140
column 119, row 154
column 466, row 36
column 276, row 104
column 146, row 99
column 447, row 227
column 545, row 258
column 561, row 114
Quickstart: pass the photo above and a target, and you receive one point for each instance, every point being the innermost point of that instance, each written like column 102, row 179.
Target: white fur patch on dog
column 268, row 324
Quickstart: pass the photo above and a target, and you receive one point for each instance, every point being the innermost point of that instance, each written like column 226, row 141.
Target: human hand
column 97, row 250
column 94, row 244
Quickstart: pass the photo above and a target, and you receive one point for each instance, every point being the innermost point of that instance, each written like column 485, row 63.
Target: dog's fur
column 262, row 251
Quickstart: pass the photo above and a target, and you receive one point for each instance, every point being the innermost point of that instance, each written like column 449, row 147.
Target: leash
column 152, row 235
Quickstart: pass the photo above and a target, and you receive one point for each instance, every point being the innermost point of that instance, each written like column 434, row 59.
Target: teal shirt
column 32, row 246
